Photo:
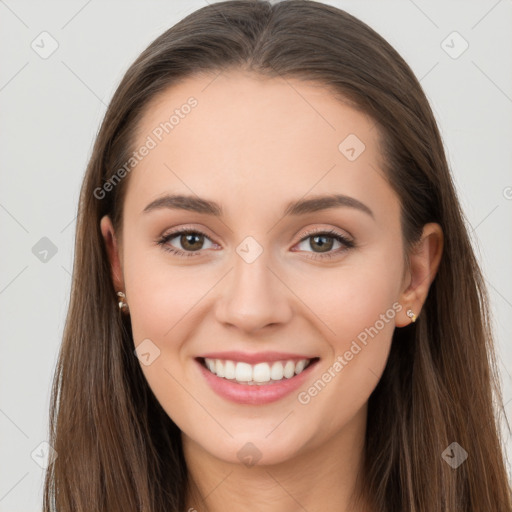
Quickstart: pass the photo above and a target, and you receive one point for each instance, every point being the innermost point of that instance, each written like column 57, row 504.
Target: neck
column 322, row 477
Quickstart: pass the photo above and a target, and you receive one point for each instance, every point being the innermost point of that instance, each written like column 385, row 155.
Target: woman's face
column 294, row 253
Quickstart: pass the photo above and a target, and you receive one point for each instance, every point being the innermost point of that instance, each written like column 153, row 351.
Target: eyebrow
column 300, row 207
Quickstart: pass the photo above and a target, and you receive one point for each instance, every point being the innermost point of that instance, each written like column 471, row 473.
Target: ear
column 424, row 261
column 114, row 253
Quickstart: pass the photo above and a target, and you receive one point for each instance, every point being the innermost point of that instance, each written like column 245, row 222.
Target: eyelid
column 326, row 231
column 347, row 241
column 164, row 239
column 186, row 227
column 305, row 234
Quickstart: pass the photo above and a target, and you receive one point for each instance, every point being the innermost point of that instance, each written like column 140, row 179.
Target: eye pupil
column 187, row 241
column 320, row 241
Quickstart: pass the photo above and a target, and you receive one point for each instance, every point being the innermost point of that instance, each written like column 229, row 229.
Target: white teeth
column 260, row 373
column 289, row 369
column 300, row 366
column 243, row 372
column 219, row 368
column 229, row 370
column 277, row 371
column 211, row 364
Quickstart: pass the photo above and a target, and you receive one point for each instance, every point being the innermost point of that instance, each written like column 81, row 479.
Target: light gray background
column 50, row 112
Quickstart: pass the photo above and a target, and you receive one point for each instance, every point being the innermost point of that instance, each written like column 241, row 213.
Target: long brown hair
column 117, row 448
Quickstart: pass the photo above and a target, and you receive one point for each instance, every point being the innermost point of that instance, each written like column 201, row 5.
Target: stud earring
column 411, row 315
column 122, row 300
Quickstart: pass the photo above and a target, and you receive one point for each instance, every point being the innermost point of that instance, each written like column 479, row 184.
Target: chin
column 259, row 449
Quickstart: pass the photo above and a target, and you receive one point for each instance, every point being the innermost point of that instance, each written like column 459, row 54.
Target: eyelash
column 349, row 244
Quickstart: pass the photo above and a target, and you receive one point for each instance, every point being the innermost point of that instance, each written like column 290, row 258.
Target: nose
column 253, row 297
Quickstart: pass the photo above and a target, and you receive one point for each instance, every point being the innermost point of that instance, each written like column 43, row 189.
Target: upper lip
column 257, row 357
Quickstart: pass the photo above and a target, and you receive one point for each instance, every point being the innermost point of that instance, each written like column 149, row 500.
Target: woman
column 275, row 304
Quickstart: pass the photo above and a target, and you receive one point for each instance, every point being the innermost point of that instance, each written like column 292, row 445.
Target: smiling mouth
column 256, row 374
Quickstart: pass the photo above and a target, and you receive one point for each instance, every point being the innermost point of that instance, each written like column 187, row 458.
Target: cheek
column 352, row 299
column 357, row 304
column 161, row 294
column 163, row 302
column 359, row 307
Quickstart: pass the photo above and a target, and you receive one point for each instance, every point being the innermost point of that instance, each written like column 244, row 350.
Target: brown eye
column 185, row 242
column 192, row 241
column 325, row 244
column 322, row 242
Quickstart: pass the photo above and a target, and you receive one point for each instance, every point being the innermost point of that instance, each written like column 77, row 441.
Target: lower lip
column 255, row 394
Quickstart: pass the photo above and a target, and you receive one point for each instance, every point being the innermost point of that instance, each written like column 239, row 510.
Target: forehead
column 238, row 104
column 254, row 136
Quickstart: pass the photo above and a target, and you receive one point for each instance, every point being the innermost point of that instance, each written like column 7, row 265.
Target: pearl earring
column 411, row 315
column 122, row 302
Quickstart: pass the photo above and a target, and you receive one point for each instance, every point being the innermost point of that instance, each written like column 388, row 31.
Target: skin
column 254, row 144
